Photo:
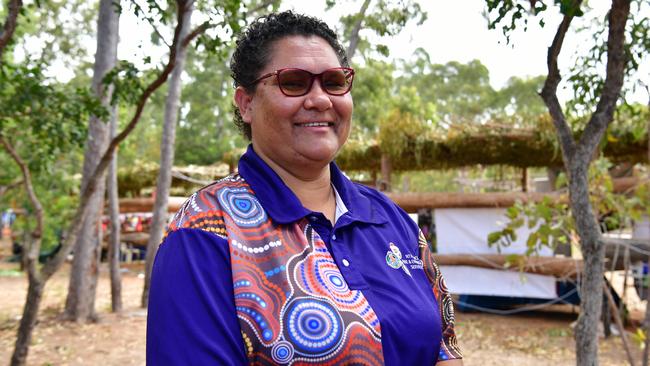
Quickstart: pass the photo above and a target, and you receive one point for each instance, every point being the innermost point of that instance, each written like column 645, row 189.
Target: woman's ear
column 243, row 101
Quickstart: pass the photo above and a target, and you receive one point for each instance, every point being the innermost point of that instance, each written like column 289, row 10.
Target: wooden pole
column 552, row 266
column 619, row 324
column 386, row 170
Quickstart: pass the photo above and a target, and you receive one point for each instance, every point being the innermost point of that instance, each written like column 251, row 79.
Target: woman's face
column 281, row 124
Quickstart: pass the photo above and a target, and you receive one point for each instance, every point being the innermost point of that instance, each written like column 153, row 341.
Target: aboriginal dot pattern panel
column 293, row 304
column 449, row 347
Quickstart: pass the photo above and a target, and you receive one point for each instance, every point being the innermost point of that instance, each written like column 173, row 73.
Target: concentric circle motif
column 334, row 280
column 282, row 352
column 242, row 206
column 314, row 327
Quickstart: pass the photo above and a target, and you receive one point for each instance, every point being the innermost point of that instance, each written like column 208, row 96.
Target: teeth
column 315, row 124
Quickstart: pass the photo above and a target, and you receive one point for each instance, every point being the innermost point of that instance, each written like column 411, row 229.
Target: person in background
column 288, row 261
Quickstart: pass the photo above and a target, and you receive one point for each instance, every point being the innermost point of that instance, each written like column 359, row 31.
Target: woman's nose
column 317, row 98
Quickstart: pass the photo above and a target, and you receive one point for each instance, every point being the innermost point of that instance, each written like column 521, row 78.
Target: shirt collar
column 341, row 209
column 282, row 204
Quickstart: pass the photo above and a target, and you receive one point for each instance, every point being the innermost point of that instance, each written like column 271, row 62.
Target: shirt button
column 345, row 262
column 334, row 237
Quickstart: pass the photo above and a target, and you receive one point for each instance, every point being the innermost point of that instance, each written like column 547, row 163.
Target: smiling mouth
column 315, row 124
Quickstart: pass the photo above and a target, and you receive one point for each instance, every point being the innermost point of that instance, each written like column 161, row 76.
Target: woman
column 288, row 262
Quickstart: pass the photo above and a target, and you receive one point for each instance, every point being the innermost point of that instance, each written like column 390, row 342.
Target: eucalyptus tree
column 623, row 45
column 205, row 131
column 220, row 17
column 39, row 120
column 384, row 18
column 159, row 219
column 80, row 302
column 129, row 85
column 461, row 92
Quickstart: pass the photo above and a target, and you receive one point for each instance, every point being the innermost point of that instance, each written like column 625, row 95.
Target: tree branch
column 34, row 245
column 153, row 26
column 549, row 91
column 354, row 33
column 196, row 32
column 51, row 266
column 4, row 189
column 10, row 24
column 207, row 25
column 615, row 73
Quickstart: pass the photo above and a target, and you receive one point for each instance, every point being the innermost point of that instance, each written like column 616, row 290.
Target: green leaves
column 128, row 83
column 551, row 221
column 570, row 8
column 384, row 18
column 513, row 9
column 41, row 117
column 548, row 220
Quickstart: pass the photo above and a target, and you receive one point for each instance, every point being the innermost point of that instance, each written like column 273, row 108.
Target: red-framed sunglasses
column 295, row 82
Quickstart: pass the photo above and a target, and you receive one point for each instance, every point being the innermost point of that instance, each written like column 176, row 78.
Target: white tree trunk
column 114, row 214
column 80, row 302
column 172, row 103
column 354, row 33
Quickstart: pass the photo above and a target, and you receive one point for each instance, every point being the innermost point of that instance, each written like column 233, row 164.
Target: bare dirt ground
column 536, row 338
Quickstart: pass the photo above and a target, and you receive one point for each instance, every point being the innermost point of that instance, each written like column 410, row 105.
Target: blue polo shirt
column 246, row 275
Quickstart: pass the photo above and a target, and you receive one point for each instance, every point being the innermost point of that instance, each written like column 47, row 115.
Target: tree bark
column 159, row 219
column 386, row 173
column 10, row 24
column 27, row 322
column 55, row 263
column 524, row 179
column 30, row 262
column 354, row 33
column 577, row 157
column 80, row 302
column 114, row 214
column 49, row 268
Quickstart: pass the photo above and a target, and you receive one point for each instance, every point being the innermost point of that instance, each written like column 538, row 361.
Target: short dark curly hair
column 254, row 49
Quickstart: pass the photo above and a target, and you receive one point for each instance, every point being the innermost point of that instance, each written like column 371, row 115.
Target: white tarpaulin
column 468, row 280
column 465, row 231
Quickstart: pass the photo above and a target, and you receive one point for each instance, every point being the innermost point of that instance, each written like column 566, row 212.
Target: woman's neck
column 313, row 188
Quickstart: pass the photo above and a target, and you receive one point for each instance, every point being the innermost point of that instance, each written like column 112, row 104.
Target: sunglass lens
column 294, row 82
column 336, row 81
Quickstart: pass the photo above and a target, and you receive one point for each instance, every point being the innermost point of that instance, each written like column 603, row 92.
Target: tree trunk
column 593, row 253
column 354, row 33
column 386, row 173
column 28, row 321
column 646, row 319
column 524, row 179
column 30, row 262
column 80, row 302
column 577, row 157
column 10, row 24
column 114, row 214
column 172, row 103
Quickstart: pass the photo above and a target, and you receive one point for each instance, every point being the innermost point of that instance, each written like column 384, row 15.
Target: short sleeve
column 192, row 318
column 448, row 346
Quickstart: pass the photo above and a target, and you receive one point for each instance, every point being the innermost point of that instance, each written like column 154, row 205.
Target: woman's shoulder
column 204, row 208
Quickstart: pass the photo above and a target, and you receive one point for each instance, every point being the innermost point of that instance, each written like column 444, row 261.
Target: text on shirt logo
column 394, row 259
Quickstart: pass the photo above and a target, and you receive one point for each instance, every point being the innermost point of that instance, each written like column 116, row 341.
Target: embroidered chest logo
column 394, row 259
